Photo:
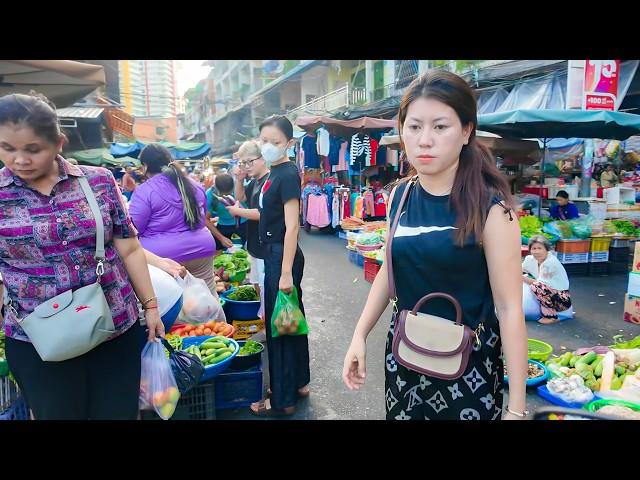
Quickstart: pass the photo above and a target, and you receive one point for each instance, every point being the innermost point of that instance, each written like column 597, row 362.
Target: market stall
column 345, row 168
column 602, row 379
column 549, row 124
column 212, row 330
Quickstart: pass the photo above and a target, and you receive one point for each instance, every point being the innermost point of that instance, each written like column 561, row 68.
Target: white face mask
column 271, row 153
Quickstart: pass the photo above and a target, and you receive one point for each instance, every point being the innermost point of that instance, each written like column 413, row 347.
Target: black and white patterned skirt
column 476, row 395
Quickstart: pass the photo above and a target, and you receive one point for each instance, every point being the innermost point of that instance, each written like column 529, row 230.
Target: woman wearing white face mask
column 279, row 205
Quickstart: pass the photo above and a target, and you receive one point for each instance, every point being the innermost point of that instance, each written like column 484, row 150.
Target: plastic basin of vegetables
column 539, row 350
column 603, row 402
column 211, row 370
column 534, row 382
column 368, row 248
column 244, row 362
column 240, row 310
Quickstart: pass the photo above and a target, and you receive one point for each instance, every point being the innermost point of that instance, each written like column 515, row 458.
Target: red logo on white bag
column 82, row 307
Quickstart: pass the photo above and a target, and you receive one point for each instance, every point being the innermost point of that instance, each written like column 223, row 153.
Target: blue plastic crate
column 356, row 258
column 197, row 404
column 238, row 389
column 18, row 410
column 211, row 370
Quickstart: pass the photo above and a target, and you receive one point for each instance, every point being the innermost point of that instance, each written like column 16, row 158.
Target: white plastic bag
column 199, row 305
column 530, row 304
column 158, row 387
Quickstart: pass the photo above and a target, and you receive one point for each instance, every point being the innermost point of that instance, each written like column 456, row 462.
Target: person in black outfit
column 455, row 235
column 279, row 207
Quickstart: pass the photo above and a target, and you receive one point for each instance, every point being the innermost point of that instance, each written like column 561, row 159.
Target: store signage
column 600, row 84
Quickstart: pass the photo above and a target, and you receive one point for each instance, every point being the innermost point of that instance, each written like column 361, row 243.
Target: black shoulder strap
column 507, row 210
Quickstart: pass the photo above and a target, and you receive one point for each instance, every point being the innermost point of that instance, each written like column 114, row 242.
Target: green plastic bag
column 287, row 318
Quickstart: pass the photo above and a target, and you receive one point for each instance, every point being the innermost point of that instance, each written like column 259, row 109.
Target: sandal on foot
column 264, row 409
column 303, row 392
column 548, row 320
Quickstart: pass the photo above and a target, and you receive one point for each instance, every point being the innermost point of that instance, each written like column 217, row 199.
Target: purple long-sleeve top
column 158, row 214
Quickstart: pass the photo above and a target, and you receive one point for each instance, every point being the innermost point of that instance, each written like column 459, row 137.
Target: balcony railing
column 332, row 101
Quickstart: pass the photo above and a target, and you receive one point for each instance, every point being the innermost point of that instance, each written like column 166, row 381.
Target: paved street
column 335, row 292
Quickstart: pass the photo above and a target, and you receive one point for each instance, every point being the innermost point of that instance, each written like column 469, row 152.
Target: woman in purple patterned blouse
column 47, row 246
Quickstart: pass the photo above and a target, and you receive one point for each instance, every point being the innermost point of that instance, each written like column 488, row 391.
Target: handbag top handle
column 97, row 214
column 394, row 226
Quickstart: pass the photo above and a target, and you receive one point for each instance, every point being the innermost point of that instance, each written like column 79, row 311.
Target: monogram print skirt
column 476, row 395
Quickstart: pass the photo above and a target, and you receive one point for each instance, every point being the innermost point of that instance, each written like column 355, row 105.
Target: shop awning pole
column 544, row 157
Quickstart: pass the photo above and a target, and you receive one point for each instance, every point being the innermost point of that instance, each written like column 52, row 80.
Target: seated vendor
column 564, row 210
column 547, row 279
column 609, row 177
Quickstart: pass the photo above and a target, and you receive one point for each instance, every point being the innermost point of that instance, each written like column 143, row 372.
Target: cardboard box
column 632, row 309
column 247, row 328
column 633, row 288
column 636, row 258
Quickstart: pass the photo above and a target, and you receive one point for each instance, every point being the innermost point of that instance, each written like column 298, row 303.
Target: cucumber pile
column 212, row 351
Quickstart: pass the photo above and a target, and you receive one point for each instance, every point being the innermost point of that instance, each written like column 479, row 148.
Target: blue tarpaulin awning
column 561, row 124
column 180, row 151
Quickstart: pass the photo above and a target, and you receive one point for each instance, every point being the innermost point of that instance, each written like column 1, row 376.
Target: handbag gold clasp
column 394, row 303
column 476, row 332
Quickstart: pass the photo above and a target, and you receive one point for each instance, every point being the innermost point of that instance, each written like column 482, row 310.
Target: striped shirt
column 47, row 243
column 360, row 149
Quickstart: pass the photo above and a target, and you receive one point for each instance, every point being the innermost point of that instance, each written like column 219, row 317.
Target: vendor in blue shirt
column 564, row 210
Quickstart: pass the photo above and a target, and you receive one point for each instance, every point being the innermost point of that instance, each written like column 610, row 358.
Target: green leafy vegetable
column 625, row 227
column 249, row 348
column 633, row 343
column 246, row 293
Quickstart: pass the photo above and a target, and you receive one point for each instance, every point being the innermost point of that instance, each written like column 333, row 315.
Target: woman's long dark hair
column 477, row 179
column 158, row 160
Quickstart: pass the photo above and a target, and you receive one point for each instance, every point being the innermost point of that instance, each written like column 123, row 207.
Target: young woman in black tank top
column 456, row 235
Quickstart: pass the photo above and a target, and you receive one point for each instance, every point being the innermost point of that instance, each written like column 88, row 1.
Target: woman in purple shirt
column 168, row 211
column 47, row 247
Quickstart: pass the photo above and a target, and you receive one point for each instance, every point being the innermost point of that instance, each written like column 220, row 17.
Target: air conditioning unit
column 68, row 123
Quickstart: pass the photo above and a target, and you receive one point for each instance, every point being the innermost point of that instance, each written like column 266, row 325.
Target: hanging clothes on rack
column 308, row 145
column 381, row 156
column 335, row 209
column 374, row 150
column 380, row 207
column 317, row 210
column 323, row 142
column 343, row 162
column 310, row 188
column 360, row 149
column 369, row 204
column 334, row 151
column 345, row 212
column 359, row 207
